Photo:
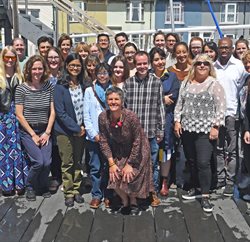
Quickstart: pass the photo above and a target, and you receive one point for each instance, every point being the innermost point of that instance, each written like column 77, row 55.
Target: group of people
column 127, row 115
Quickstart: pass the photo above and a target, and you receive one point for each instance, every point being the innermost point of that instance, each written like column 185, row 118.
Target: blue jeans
column 95, row 169
column 154, row 153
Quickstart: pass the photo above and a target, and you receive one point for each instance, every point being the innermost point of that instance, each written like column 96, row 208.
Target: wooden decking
column 175, row 220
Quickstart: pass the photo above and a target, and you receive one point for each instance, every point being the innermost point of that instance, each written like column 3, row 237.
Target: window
column 75, row 13
column 207, row 36
column 178, row 12
column 135, row 11
column 138, row 40
column 229, row 13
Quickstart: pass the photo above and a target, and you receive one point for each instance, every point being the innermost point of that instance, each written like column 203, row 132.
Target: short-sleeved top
column 36, row 103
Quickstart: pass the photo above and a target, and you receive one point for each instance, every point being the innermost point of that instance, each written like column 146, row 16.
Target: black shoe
column 221, row 185
column 8, row 193
column 229, row 190
column 46, row 194
column 30, row 195
column 135, row 210
column 121, row 210
column 191, row 194
column 69, row 201
column 206, row 205
column 78, row 198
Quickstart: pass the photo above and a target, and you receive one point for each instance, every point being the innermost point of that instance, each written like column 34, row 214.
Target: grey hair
column 116, row 90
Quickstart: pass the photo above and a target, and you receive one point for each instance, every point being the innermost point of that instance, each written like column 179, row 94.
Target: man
column 104, row 42
column 144, row 96
column 121, row 39
column 231, row 75
column 19, row 46
column 44, row 43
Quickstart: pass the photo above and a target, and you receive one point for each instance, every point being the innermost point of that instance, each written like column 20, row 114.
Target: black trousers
column 199, row 150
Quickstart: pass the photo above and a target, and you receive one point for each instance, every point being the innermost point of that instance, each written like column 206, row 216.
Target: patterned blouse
column 200, row 106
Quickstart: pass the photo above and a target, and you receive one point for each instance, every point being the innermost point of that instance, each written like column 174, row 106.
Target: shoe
column 135, row 210
column 107, row 203
column 229, row 190
column 95, row 203
column 20, row 192
column 155, row 201
column 8, row 193
column 221, row 185
column 69, row 201
column 30, row 195
column 191, row 194
column 206, row 205
column 246, row 197
column 164, row 189
column 53, row 186
column 46, row 194
column 121, row 210
column 245, row 182
column 78, row 198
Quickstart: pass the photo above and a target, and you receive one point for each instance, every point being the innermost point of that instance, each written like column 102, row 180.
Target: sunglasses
column 199, row 63
column 6, row 58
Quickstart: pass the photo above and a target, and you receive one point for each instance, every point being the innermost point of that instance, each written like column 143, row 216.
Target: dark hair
column 130, row 44
column 101, row 35
column 105, row 66
column 213, row 46
column 178, row 44
column 45, row 39
column 176, row 36
column 64, row 80
column 116, row 90
column 15, row 39
column 28, row 68
column 59, row 54
column 140, row 53
column 90, row 58
column 158, row 33
column 154, row 51
column 121, row 34
column 62, row 38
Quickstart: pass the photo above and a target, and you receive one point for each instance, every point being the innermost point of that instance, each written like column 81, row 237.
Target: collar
column 232, row 61
column 138, row 79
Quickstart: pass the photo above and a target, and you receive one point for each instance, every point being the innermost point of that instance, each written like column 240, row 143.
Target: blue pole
column 214, row 18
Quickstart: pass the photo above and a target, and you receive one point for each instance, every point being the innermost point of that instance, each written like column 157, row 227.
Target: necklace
column 118, row 123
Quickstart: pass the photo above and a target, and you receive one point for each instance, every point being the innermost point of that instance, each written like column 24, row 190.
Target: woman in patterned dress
column 13, row 168
column 125, row 146
column 199, row 112
column 69, row 128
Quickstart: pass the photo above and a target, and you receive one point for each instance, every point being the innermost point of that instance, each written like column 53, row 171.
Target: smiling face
column 102, row 76
column 120, row 42
column 141, row 64
column 114, row 102
column 158, row 63
column 181, row 54
column 103, row 42
column 118, row 69
column 201, row 68
column 74, row 68
column 9, row 59
column 91, row 67
column 211, row 53
column 129, row 53
column 53, row 60
column 44, row 47
column 37, row 71
column 196, row 47
column 159, row 41
column 170, row 42
column 65, row 47
column 19, row 47
column 240, row 49
column 225, row 50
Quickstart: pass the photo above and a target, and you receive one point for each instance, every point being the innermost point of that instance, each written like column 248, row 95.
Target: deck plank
column 18, row 218
column 5, row 205
column 139, row 228
column 106, row 227
column 169, row 220
column 202, row 227
column 243, row 207
column 47, row 220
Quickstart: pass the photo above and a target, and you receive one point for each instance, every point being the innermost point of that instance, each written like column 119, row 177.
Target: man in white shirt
column 231, row 75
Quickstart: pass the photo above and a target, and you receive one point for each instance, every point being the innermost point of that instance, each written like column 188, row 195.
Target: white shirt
column 231, row 76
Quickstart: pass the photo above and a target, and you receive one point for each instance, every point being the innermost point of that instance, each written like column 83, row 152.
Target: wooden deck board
column 243, row 207
column 5, row 205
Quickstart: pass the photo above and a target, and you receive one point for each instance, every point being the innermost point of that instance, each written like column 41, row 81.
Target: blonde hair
column 246, row 57
column 17, row 69
column 199, row 57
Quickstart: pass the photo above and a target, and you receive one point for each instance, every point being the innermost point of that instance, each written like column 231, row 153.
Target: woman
column 125, row 146
column 159, row 40
column 181, row 68
column 94, row 104
column 36, row 115
column 90, row 64
column 55, row 63
column 69, row 128
column 96, row 50
column 211, row 49
column 199, row 112
column 171, row 87
column 241, row 47
column 65, row 44
column 129, row 51
column 120, row 70
column 82, row 49
column 195, row 47
column 171, row 40
column 12, row 168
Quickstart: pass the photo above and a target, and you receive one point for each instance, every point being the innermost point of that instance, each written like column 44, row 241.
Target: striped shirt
column 145, row 98
column 36, row 103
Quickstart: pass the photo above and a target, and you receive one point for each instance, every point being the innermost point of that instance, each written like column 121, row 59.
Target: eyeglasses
column 72, row 66
column 224, row 47
column 53, row 57
column 6, row 58
column 199, row 63
column 129, row 53
column 102, row 73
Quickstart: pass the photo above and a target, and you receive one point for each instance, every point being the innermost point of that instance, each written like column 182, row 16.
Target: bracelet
column 47, row 133
column 112, row 164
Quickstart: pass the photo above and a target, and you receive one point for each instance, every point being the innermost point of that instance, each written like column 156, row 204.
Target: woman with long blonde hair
column 12, row 165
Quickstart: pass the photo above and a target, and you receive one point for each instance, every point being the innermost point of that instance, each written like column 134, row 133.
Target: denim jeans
column 154, row 153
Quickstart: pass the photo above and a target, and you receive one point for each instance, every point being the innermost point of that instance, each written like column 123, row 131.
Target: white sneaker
column 246, row 197
column 245, row 182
